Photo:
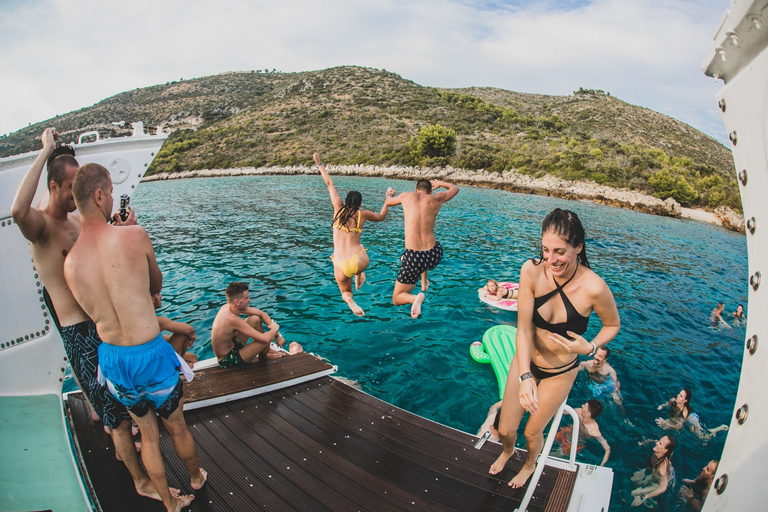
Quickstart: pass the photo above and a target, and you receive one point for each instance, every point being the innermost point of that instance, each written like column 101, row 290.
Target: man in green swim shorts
column 230, row 332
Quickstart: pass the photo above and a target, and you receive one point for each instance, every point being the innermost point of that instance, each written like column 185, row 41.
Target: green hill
column 355, row 115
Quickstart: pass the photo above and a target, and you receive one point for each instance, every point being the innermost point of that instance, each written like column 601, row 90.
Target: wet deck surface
column 320, row 445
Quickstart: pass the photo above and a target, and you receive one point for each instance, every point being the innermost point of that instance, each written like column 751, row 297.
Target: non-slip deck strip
column 323, row 445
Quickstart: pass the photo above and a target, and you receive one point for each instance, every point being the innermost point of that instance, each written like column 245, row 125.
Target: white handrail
column 541, row 461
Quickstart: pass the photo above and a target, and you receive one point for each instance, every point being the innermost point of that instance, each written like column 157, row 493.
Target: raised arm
column 30, row 220
column 335, row 199
column 378, row 217
column 450, row 190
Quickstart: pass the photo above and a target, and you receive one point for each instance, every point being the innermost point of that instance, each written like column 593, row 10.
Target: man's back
column 420, row 212
column 110, row 270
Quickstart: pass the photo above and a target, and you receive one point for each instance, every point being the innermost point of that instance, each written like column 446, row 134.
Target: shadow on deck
column 317, row 445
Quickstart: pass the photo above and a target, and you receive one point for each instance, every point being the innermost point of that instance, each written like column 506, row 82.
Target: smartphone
column 125, row 199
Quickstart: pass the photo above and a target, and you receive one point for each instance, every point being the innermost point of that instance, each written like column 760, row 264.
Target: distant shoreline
column 512, row 181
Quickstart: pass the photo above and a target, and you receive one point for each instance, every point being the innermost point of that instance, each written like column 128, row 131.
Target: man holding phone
column 52, row 232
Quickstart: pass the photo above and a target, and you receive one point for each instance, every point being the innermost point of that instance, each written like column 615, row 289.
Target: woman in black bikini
column 556, row 296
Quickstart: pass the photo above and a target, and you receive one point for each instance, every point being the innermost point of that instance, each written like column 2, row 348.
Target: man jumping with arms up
column 112, row 272
column 422, row 250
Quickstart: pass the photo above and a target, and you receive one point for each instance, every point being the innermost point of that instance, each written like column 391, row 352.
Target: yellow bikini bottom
column 349, row 266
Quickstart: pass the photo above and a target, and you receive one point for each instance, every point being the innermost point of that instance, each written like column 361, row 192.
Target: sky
column 62, row 55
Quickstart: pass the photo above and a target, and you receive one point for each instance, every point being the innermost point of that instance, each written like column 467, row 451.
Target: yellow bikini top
column 345, row 228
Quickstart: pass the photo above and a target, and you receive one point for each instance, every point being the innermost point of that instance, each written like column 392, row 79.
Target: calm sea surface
column 274, row 232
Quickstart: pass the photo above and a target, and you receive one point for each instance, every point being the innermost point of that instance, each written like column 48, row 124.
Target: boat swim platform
column 315, row 445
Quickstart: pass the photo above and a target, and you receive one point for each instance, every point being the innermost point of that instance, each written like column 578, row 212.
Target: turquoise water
column 274, row 232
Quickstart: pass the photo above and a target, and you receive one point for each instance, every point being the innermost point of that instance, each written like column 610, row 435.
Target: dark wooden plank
column 561, row 494
column 216, row 382
column 320, row 445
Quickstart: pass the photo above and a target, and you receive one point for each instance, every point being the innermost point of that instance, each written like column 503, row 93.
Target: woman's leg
column 362, row 264
column 509, row 417
column 552, row 392
column 345, row 287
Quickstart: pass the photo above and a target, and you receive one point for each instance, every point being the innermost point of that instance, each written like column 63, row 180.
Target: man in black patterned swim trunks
column 422, row 250
column 52, row 231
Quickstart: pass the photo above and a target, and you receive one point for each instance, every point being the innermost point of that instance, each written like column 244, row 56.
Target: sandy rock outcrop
column 730, row 219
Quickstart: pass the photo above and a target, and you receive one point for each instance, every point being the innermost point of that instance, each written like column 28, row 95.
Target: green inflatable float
column 497, row 348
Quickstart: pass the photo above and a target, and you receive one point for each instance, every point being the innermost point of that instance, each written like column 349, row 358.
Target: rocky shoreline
column 508, row 180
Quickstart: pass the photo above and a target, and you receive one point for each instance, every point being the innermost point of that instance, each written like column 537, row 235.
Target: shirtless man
column 52, row 232
column 230, row 332
column 588, row 429
column 604, row 378
column 110, row 270
column 716, row 317
column 422, row 250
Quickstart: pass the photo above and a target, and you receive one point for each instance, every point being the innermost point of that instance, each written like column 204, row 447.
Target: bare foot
column 200, row 481
column 416, row 306
column 498, row 466
column 274, row 354
column 359, row 280
column 148, row 491
column 522, row 477
column 353, row 306
column 181, row 502
column 424, row 284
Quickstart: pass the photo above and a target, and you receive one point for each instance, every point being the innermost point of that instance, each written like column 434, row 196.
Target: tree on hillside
column 433, row 144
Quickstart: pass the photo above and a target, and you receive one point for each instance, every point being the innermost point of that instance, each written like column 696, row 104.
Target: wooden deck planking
column 319, row 445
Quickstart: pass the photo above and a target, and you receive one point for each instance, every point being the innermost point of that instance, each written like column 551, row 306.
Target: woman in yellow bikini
column 349, row 256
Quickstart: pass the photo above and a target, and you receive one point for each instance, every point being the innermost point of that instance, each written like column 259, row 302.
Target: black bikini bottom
column 540, row 374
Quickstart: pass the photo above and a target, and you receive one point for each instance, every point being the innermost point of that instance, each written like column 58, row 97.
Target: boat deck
column 316, row 445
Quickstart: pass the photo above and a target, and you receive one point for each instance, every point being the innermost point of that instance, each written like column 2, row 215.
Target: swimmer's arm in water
column 528, row 391
column 335, row 199
column 612, row 373
column 606, row 447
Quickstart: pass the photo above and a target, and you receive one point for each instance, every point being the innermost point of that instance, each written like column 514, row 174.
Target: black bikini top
column 575, row 321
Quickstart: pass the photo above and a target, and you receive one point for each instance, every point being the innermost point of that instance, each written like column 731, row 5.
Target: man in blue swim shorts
column 52, row 231
column 422, row 250
column 603, row 378
column 109, row 270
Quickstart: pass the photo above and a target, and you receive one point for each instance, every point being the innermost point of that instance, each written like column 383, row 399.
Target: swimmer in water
column 588, row 429
column 603, row 377
column 654, row 479
column 739, row 318
column 681, row 412
column 716, row 317
column 694, row 492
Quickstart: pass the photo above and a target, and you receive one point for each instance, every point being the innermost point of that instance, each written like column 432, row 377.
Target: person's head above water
column 664, row 447
column 565, row 225
column 601, row 354
column 594, row 407
column 492, row 285
column 424, row 185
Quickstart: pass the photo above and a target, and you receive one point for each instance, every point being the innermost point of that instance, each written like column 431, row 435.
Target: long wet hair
column 687, row 404
column 566, row 225
column 668, row 455
column 349, row 210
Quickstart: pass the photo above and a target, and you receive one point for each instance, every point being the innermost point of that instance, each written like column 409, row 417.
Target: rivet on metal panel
column 721, row 52
column 743, row 177
column 755, row 280
column 721, row 104
column 752, row 225
column 721, row 483
column 733, row 136
column 742, row 413
column 752, row 345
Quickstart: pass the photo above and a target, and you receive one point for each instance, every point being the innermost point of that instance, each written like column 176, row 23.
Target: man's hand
column 390, row 192
column 131, row 220
column 316, row 156
column 49, row 139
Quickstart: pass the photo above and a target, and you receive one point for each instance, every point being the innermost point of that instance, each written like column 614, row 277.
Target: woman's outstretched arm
column 335, row 199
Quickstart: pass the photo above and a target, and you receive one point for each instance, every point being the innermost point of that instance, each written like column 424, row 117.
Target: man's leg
column 402, row 295
column 424, row 281
column 153, row 461
column 184, row 445
column 121, row 436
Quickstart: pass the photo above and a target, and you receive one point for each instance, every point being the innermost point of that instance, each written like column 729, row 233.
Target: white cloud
column 61, row 55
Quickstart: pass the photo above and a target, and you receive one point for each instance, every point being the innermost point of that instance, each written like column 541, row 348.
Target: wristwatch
column 526, row 375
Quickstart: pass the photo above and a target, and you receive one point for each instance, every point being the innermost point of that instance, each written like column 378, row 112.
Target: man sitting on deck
column 230, row 332
column 109, row 270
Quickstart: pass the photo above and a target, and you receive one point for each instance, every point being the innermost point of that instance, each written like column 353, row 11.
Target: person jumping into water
column 422, row 250
column 349, row 257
